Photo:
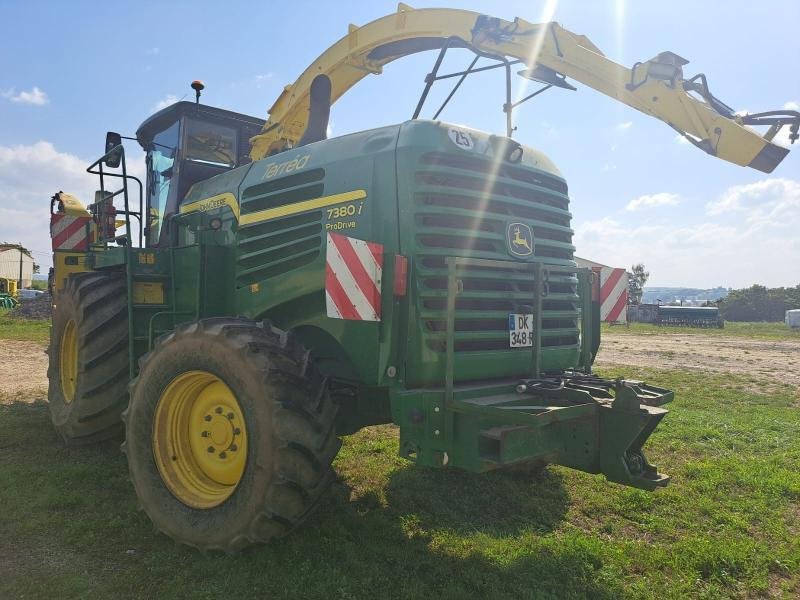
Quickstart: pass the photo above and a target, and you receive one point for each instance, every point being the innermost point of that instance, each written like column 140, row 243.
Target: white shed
column 10, row 257
column 793, row 318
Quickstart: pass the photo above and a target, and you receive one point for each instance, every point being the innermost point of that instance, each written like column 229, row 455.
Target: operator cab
column 186, row 143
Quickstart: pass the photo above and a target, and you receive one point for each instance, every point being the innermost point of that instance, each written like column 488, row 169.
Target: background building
column 10, row 255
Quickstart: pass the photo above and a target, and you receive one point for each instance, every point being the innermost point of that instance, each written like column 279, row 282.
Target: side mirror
column 112, row 141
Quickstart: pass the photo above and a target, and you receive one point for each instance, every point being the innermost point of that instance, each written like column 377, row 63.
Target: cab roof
column 164, row 117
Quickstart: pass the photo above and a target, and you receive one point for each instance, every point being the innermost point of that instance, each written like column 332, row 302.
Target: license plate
column 520, row 330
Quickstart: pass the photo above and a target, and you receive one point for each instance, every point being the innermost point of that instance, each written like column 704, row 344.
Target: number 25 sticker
column 461, row 138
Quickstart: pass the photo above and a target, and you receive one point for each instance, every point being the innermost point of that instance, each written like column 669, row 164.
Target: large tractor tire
column 88, row 358
column 229, row 434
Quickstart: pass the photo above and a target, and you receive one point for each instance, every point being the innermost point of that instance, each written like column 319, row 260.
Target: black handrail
column 139, row 215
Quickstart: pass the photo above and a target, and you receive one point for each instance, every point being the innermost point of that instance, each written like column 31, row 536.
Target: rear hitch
column 568, row 418
column 625, row 425
column 628, row 413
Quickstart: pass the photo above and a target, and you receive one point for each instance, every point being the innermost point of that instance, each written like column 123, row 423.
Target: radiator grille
column 462, row 207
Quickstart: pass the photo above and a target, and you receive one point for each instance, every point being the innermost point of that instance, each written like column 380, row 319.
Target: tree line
column 759, row 303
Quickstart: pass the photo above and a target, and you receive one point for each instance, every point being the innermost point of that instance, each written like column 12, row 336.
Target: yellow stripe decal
column 298, row 207
column 229, row 200
column 226, row 199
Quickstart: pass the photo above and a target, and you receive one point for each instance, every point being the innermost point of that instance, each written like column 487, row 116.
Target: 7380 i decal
column 339, row 216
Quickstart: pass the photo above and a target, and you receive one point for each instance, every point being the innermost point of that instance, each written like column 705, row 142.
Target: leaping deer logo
column 521, row 242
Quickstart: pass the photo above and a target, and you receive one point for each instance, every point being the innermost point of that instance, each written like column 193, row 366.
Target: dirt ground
column 23, row 370
column 762, row 359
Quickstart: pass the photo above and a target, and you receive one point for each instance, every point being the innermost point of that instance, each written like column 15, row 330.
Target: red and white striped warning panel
column 353, row 270
column 69, row 232
column 613, row 295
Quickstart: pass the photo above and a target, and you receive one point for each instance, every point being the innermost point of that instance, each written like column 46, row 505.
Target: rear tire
column 88, row 358
column 288, row 428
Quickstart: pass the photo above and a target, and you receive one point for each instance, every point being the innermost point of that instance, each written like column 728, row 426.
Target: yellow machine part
column 365, row 50
column 68, row 361
column 70, row 205
column 64, row 264
column 199, row 439
column 148, row 292
column 8, row 286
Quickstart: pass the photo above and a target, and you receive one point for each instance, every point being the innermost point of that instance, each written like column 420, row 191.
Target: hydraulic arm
column 551, row 53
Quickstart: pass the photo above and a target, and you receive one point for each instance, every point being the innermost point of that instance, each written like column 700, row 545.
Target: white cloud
column 625, row 126
column 749, row 235
column 164, row 103
column 262, row 79
column 153, row 51
column 36, row 96
column 29, row 176
column 601, row 228
column 756, row 198
column 652, row 200
column 791, row 105
column 609, row 166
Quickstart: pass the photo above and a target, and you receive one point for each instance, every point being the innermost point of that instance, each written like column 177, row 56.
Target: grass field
column 15, row 328
column 727, row 526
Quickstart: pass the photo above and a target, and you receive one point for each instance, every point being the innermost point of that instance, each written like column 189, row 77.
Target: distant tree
column 637, row 277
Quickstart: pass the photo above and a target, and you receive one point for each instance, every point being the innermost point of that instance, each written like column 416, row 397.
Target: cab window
column 160, row 172
column 210, row 144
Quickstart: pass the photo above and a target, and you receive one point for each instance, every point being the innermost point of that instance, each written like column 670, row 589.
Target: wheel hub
column 68, row 361
column 199, row 439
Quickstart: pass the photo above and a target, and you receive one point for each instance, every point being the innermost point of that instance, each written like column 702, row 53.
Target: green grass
column 17, row 328
column 761, row 331
column 727, row 526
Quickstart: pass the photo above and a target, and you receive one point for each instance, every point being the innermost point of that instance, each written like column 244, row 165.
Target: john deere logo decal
column 520, row 239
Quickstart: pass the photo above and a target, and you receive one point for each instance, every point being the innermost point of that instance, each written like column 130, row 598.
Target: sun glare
column 546, row 16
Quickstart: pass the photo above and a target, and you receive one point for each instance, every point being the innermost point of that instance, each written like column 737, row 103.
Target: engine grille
column 270, row 248
column 462, row 208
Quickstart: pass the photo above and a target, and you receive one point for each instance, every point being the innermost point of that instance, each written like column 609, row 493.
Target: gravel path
column 765, row 359
column 23, row 371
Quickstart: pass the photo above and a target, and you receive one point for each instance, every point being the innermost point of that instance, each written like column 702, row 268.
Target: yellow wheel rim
column 199, row 439
column 68, row 361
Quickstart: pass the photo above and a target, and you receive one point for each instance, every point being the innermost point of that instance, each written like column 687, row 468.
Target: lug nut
column 236, row 431
column 230, row 416
column 218, row 410
column 207, row 418
column 222, row 455
column 234, row 448
column 211, row 449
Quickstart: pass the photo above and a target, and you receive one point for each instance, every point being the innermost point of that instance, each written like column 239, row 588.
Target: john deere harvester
column 267, row 290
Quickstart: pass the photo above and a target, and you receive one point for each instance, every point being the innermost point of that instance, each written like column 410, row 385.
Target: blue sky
column 71, row 71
